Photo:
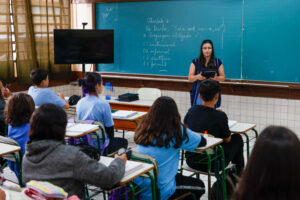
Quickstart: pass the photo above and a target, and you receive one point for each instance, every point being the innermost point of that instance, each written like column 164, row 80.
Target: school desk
column 243, row 128
column 128, row 124
column 139, row 105
column 141, row 169
column 93, row 129
column 212, row 144
column 8, row 149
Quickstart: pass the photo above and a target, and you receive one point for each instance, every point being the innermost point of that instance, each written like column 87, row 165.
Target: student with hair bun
column 91, row 107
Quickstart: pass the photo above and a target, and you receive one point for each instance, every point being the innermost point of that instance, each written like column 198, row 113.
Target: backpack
column 232, row 180
column 73, row 100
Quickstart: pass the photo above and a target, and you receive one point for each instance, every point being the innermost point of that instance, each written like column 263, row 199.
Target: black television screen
column 74, row 46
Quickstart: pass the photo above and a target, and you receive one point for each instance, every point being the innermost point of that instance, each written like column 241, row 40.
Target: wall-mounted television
column 75, row 46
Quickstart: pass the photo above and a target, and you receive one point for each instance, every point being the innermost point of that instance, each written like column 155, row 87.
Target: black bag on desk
column 129, row 97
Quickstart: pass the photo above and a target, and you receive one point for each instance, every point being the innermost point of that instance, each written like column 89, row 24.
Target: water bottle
column 108, row 90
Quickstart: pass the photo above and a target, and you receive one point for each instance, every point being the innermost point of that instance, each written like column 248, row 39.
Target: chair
column 212, row 154
column 14, row 157
column 149, row 93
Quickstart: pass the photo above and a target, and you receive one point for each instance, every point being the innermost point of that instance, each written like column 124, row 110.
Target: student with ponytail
column 91, row 107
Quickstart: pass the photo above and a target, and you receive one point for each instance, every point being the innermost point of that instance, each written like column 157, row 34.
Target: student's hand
column 61, row 96
column 5, row 92
column 200, row 77
column 123, row 157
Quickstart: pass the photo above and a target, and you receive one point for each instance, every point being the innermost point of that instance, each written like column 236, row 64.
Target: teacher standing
column 205, row 62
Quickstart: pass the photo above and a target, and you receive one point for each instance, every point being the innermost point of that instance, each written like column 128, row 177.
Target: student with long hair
column 2, row 118
column 161, row 135
column 273, row 170
column 205, row 62
column 91, row 107
column 18, row 111
column 48, row 158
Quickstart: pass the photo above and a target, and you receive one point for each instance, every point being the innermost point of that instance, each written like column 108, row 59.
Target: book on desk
column 123, row 114
column 131, row 166
column 76, row 127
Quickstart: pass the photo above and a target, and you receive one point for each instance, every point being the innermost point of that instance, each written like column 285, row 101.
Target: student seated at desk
column 2, row 120
column 18, row 111
column 201, row 118
column 48, row 158
column 41, row 93
column 4, row 90
column 91, row 107
column 161, row 135
column 273, row 170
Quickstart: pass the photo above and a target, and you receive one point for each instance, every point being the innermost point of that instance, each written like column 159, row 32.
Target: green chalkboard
column 255, row 40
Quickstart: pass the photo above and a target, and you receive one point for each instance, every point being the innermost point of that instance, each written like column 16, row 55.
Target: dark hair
column 90, row 82
column 19, row 109
column 201, row 59
column 49, row 121
column 37, row 75
column 161, row 125
column 208, row 89
column 273, row 170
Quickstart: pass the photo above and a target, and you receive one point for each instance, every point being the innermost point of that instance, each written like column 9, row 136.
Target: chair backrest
column 150, row 160
column 14, row 157
column 149, row 93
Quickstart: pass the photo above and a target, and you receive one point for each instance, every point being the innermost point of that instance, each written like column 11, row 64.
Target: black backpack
column 231, row 181
column 89, row 150
column 73, row 100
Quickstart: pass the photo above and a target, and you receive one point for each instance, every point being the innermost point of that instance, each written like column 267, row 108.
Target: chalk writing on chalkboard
column 161, row 36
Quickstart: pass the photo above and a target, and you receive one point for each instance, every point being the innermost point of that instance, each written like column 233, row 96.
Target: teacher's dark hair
column 49, row 121
column 273, row 170
column 90, row 82
column 161, row 125
column 208, row 89
column 201, row 59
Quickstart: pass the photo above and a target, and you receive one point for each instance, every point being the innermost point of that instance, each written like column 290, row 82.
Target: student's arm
column 192, row 77
column 67, row 105
column 202, row 142
column 226, row 134
column 110, row 132
column 88, row 170
column 228, row 139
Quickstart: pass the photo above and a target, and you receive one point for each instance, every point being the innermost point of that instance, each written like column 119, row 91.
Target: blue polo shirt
column 168, row 161
column 45, row 95
column 93, row 108
column 20, row 134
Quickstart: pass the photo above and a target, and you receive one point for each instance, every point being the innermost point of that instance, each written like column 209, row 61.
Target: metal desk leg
column 223, row 171
column 247, row 142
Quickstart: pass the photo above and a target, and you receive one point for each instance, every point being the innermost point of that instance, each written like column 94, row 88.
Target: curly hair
column 19, row 109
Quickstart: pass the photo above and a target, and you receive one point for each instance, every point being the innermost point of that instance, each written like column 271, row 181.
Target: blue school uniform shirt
column 93, row 108
column 20, row 134
column 167, row 160
column 45, row 95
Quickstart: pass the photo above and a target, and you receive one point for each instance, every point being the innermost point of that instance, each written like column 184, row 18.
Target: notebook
column 130, row 167
column 73, row 127
column 123, row 114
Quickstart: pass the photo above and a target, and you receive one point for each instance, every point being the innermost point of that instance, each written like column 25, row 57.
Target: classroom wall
column 257, row 110
column 82, row 13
